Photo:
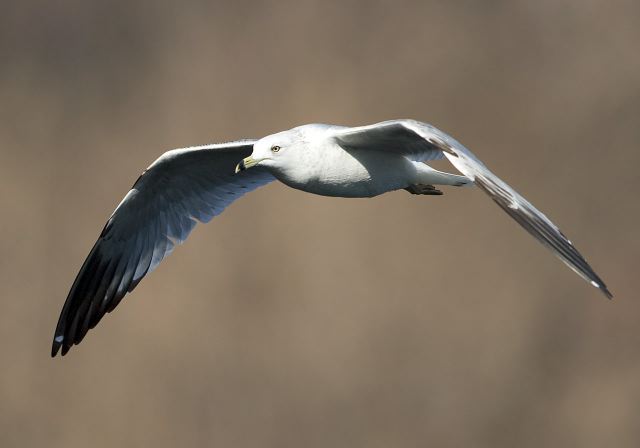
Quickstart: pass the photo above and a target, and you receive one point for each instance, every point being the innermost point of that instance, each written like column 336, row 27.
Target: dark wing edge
column 178, row 190
column 522, row 211
column 534, row 222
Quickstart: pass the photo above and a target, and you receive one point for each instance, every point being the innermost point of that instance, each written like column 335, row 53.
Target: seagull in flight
column 190, row 185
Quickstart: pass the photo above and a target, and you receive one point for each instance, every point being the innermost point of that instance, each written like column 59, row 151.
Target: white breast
column 329, row 170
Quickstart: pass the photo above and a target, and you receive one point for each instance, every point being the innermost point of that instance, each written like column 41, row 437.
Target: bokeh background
column 293, row 320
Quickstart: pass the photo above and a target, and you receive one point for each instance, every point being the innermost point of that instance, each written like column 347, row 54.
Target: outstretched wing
column 410, row 137
column 180, row 188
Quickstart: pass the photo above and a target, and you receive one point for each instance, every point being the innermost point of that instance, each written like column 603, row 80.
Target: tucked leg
column 423, row 189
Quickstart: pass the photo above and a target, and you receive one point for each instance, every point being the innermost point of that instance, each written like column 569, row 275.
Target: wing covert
column 388, row 136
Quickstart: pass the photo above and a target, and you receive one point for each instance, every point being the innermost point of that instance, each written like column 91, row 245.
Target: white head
column 271, row 152
column 282, row 152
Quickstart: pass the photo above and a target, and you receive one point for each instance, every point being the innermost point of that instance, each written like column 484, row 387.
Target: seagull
column 190, row 185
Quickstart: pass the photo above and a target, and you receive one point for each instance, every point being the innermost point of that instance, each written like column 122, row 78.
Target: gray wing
column 410, row 137
column 389, row 136
column 180, row 188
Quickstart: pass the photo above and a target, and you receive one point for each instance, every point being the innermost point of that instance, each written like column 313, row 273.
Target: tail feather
column 427, row 175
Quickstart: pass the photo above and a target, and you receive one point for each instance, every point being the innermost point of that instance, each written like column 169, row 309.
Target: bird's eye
column 275, row 148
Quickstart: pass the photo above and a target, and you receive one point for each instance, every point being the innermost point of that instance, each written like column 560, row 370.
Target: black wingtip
column 54, row 349
column 57, row 343
column 605, row 291
column 596, row 282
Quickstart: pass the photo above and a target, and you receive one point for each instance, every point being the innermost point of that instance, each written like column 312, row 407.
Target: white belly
column 354, row 174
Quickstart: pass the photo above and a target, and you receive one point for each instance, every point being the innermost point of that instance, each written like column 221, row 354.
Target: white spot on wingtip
column 59, row 338
column 595, row 284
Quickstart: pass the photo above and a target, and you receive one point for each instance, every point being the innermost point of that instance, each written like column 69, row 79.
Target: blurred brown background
column 399, row 321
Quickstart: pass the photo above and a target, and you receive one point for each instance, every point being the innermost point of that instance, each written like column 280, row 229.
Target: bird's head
column 276, row 152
